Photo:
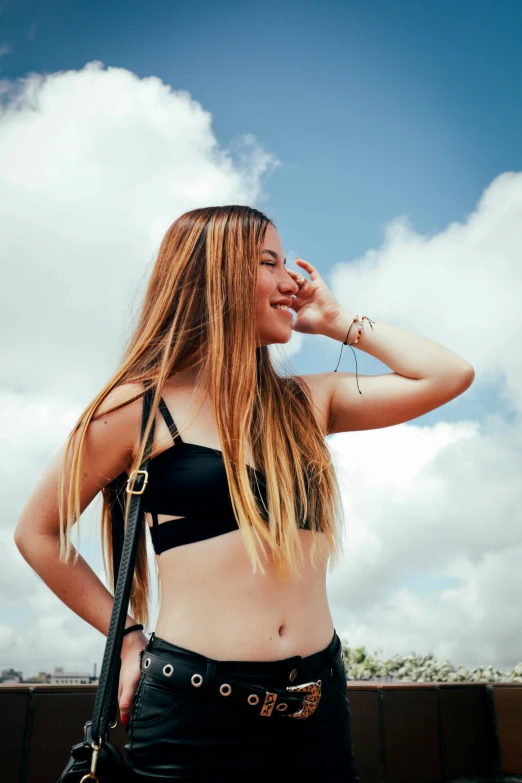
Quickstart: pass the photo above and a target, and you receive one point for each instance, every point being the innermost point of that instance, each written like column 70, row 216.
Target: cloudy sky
column 384, row 140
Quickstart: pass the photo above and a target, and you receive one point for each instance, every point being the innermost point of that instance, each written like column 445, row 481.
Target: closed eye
column 268, row 262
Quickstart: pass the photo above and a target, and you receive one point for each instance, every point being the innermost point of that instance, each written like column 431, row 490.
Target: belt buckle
column 312, row 691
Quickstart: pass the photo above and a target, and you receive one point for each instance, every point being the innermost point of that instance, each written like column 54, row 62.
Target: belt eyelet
column 253, row 699
column 168, row 670
column 281, row 707
column 196, row 680
column 225, row 689
column 146, row 663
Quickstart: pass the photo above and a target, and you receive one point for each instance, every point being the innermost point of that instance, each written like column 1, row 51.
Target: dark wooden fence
column 402, row 733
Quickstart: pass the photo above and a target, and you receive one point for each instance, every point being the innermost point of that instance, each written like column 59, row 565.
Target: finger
column 299, row 279
column 125, row 705
column 312, row 271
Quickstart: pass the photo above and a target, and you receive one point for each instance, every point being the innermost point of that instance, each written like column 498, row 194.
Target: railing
column 402, row 732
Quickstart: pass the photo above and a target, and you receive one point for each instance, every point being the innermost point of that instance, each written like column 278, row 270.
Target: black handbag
column 96, row 759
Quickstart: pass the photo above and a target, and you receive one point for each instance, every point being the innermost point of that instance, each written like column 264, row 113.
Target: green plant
column 415, row 667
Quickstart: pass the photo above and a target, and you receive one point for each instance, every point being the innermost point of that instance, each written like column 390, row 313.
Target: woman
column 244, row 673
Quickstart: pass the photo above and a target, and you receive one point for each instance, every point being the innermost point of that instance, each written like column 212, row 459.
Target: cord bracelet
column 360, row 330
column 137, row 627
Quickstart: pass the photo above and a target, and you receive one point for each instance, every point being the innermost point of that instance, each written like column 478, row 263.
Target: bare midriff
column 213, row 603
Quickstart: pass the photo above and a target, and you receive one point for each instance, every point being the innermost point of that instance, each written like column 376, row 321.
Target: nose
column 289, row 284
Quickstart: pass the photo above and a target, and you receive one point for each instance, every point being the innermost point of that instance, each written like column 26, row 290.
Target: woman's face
column 274, row 285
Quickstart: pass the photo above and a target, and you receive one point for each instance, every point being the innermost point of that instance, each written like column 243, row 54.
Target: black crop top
column 190, row 481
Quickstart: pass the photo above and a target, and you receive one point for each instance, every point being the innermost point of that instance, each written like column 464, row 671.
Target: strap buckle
column 312, row 691
column 134, row 477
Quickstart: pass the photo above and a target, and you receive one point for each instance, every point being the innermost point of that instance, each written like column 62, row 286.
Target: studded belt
column 294, row 701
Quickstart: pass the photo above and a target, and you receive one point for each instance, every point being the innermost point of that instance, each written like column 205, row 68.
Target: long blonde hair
column 197, row 313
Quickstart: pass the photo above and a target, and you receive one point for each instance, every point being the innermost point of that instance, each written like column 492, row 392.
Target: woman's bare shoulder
column 116, row 424
column 128, row 396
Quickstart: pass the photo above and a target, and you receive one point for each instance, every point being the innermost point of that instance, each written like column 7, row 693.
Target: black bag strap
column 118, row 494
column 125, row 544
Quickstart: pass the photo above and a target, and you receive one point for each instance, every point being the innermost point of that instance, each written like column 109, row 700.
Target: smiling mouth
column 282, row 310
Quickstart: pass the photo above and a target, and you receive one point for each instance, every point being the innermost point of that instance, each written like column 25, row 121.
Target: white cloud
column 443, row 501
column 460, row 287
column 474, row 624
column 96, row 164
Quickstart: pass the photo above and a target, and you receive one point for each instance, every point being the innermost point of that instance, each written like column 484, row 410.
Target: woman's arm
column 109, row 444
column 425, row 375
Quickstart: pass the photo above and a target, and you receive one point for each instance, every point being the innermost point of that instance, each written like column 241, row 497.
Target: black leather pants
column 190, row 731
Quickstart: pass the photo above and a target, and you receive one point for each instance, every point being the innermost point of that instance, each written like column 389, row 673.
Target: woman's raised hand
column 314, row 303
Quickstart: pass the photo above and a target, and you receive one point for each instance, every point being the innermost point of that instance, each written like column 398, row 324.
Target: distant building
column 10, row 676
column 60, row 677
column 40, row 677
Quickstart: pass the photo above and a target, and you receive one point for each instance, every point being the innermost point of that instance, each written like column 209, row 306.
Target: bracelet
column 360, row 329
column 137, row 627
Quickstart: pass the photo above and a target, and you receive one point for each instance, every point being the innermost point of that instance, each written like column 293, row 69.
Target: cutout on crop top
column 191, row 480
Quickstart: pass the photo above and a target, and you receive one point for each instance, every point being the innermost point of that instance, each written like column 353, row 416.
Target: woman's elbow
column 460, row 380
column 19, row 539
column 468, row 376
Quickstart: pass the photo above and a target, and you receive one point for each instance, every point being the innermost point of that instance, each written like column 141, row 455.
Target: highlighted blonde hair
column 197, row 314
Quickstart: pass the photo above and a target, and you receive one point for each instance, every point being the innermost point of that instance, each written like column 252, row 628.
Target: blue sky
column 374, row 110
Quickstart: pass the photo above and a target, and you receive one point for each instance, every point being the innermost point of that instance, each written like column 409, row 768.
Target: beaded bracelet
column 360, row 329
